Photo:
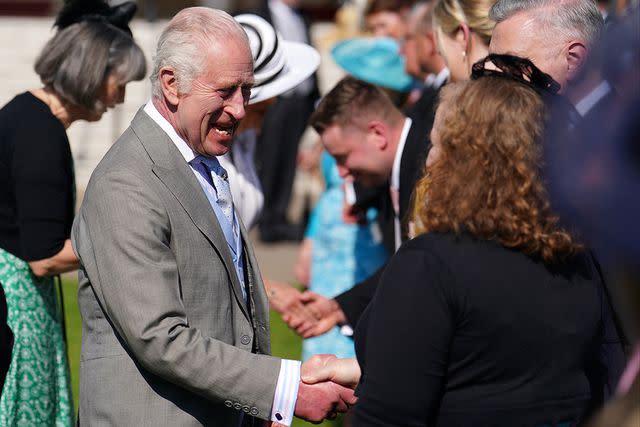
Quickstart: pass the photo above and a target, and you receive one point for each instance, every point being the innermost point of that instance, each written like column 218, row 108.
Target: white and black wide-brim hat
column 278, row 65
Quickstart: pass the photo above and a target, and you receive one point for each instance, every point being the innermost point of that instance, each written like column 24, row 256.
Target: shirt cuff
column 284, row 401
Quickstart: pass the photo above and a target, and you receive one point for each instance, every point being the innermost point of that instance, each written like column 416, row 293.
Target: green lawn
column 284, row 343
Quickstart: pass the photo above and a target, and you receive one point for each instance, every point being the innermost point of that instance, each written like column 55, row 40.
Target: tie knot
column 213, row 165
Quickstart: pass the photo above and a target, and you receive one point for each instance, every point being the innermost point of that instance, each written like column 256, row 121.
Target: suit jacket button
column 254, row 411
column 228, row 403
column 245, row 409
column 237, row 406
column 245, row 339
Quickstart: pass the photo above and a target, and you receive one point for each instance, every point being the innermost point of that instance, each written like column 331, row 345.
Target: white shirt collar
column 437, row 80
column 593, row 97
column 395, row 171
column 180, row 143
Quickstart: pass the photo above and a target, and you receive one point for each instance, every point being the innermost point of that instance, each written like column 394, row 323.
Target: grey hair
column 183, row 41
column 568, row 18
column 77, row 60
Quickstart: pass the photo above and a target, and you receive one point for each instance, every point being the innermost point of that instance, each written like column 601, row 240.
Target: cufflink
column 278, row 416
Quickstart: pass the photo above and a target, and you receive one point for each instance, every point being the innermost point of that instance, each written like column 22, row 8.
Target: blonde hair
column 448, row 15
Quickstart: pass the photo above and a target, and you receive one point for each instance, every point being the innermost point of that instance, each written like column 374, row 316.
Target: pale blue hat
column 373, row 60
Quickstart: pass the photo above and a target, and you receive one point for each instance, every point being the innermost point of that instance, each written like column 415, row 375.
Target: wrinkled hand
column 327, row 367
column 323, row 400
column 327, row 314
column 287, row 300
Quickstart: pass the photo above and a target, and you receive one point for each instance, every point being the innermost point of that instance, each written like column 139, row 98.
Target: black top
column 36, row 180
column 353, row 301
column 463, row 332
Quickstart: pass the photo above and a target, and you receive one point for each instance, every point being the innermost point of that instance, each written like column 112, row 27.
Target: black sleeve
column 355, row 300
column 408, row 336
column 41, row 172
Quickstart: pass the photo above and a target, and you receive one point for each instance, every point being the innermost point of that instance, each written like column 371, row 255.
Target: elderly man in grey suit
column 174, row 313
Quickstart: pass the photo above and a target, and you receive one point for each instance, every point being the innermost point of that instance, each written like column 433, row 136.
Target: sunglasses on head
column 514, row 67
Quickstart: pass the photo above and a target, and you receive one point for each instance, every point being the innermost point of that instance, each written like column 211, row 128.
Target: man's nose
column 235, row 104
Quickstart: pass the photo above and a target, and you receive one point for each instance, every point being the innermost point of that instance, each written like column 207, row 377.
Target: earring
column 464, row 54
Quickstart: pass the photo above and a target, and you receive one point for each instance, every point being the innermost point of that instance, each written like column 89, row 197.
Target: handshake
column 307, row 313
column 326, row 387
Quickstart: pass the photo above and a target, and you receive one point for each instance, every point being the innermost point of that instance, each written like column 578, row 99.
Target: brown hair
column 376, row 6
column 352, row 100
column 487, row 179
column 448, row 15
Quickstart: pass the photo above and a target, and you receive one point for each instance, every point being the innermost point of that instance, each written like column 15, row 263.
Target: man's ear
column 378, row 133
column 576, row 55
column 169, row 85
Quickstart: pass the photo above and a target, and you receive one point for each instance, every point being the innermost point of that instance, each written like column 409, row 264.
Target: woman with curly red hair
column 494, row 315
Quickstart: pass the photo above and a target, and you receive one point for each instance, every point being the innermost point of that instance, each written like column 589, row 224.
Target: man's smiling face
column 208, row 115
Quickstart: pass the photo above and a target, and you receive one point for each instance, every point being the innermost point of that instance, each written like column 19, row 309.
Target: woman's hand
column 63, row 261
column 327, row 367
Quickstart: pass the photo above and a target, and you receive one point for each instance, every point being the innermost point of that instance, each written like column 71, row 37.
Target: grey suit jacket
column 167, row 338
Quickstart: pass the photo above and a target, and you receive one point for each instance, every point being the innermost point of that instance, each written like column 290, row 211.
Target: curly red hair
column 487, row 178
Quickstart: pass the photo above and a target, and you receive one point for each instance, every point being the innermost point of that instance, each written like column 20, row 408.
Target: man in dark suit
column 374, row 143
column 422, row 61
column 284, row 124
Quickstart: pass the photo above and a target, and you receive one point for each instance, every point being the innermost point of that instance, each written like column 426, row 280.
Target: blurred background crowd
column 335, row 175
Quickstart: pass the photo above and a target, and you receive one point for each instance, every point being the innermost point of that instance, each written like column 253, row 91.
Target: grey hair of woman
column 78, row 59
column 185, row 41
column 569, row 18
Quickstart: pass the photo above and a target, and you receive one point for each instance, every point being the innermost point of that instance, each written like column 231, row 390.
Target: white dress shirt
column 592, row 98
column 437, row 80
column 395, row 181
column 286, row 394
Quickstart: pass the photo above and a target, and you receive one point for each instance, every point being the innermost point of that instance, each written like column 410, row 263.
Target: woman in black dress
column 84, row 69
column 494, row 315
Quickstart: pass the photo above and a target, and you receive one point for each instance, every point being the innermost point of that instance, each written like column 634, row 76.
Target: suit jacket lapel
column 170, row 167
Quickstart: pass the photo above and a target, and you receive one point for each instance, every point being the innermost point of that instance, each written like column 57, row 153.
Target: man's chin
column 219, row 146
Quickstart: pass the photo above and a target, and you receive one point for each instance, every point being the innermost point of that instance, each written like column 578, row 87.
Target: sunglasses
column 514, row 67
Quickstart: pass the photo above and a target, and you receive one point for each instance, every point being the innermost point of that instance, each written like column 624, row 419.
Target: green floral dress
column 37, row 390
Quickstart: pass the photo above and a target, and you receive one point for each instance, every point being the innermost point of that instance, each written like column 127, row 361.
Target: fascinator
column 75, row 11
column 373, row 60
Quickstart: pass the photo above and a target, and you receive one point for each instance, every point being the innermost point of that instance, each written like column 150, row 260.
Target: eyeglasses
column 519, row 69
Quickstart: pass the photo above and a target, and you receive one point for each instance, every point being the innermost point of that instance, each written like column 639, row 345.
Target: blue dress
column 342, row 255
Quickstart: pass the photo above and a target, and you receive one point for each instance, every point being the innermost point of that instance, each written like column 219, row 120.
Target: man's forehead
column 230, row 67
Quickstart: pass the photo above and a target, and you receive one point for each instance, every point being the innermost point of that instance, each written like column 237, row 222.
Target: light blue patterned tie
column 220, row 182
